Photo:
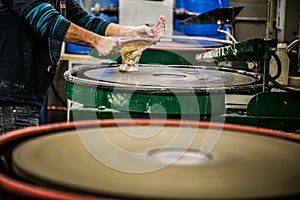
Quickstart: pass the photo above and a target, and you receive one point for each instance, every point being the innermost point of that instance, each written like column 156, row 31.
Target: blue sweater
column 31, row 34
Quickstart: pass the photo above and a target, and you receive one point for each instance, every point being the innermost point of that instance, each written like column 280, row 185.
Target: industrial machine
column 175, row 90
column 276, row 106
column 231, row 84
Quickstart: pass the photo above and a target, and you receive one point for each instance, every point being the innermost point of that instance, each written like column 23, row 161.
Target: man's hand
column 138, row 31
column 155, row 32
column 107, row 46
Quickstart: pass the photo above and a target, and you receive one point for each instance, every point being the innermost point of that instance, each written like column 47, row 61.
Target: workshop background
column 213, row 111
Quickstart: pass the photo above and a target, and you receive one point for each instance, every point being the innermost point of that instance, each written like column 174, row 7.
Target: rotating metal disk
column 171, row 77
column 162, row 162
column 176, row 89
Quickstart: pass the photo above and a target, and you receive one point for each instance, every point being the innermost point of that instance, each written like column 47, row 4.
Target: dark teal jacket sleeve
column 42, row 16
column 79, row 16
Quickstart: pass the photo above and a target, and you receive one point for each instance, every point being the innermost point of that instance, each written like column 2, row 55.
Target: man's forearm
column 105, row 46
column 78, row 35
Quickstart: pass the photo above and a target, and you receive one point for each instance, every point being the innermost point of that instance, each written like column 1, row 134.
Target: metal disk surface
column 161, row 76
column 138, row 162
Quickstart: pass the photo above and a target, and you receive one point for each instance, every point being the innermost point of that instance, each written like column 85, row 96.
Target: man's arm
column 47, row 22
column 106, row 46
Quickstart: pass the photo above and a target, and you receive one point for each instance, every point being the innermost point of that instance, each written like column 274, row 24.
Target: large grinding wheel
column 171, row 87
column 162, row 78
column 245, row 163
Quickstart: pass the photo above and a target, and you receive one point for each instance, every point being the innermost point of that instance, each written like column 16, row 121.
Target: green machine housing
column 270, row 106
column 276, row 106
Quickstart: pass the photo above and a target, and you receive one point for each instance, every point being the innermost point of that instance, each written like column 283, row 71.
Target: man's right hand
column 107, row 46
